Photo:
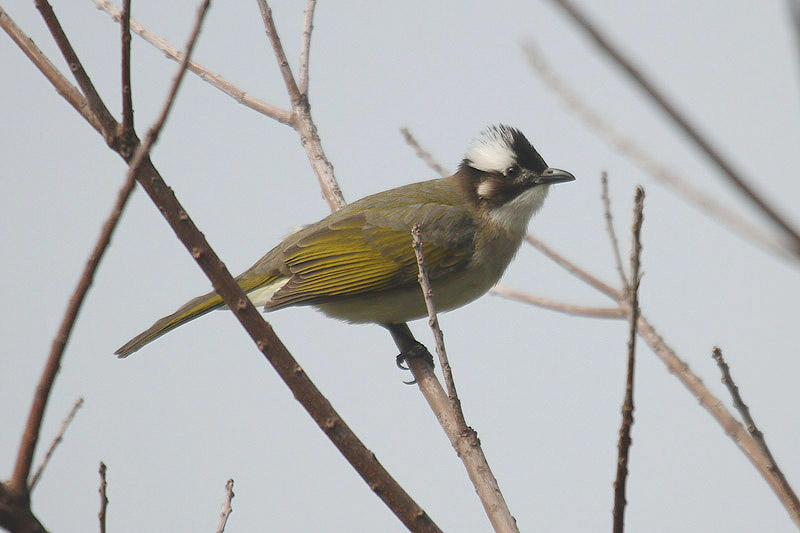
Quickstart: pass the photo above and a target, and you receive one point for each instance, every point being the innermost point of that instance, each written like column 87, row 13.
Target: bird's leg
column 410, row 348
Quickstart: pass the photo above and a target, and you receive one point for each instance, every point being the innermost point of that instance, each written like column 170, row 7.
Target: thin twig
column 33, row 426
column 305, row 47
column 433, row 322
column 87, row 87
column 612, row 235
column 227, row 509
column 101, row 515
column 682, row 121
column 750, row 424
column 62, row 85
column 573, row 269
column 143, row 151
column 569, row 309
column 422, row 153
column 127, row 94
column 56, row 441
column 627, row 406
column 243, row 97
column 283, row 64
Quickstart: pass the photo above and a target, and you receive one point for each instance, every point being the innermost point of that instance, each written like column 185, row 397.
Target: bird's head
column 506, row 177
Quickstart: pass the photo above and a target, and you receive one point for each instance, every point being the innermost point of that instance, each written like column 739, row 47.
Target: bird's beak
column 554, row 175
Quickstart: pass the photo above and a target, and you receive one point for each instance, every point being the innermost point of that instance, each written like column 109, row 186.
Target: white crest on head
column 493, row 151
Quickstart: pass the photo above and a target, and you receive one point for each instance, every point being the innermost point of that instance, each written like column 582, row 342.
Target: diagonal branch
column 240, row 95
column 682, row 121
column 56, row 441
column 756, row 433
column 69, row 92
column 96, row 104
column 422, row 153
column 612, row 235
column 286, row 71
column 30, row 436
column 648, row 163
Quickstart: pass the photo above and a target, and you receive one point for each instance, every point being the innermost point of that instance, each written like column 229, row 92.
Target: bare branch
column 433, row 321
column 724, row 418
column 32, row 428
column 682, row 121
column 612, row 235
column 143, row 151
column 127, row 96
column 305, row 48
column 422, row 153
column 107, row 121
column 226, row 506
column 68, row 91
column 756, row 433
column 627, row 406
column 56, row 441
column 463, row 439
column 705, row 203
column 569, row 309
column 286, row 71
column 794, row 13
column 101, row 515
column 241, row 96
column 574, row 269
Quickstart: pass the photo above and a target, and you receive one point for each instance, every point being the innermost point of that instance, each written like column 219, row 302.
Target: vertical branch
column 127, row 96
column 627, row 407
column 612, row 235
column 433, row 321
column 682, row 121
column 101, row 515
column 227, row 509
column 305, row 47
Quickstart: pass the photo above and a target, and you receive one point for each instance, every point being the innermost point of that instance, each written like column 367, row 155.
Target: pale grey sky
column 543, row 390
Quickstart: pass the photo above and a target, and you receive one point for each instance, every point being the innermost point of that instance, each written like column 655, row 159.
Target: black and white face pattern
column 508, row 164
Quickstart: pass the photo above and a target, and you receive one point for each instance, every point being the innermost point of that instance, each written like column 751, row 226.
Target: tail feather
column 191, row 310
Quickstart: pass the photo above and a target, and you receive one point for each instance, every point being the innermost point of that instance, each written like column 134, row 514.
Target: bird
column 357, row 264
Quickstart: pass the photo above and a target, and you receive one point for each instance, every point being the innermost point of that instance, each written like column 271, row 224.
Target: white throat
column 515, row 215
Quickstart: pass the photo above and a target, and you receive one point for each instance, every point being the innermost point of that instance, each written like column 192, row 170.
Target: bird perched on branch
column 358, row 265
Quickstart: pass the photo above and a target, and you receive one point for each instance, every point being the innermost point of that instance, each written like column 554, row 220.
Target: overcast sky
column 543, row 390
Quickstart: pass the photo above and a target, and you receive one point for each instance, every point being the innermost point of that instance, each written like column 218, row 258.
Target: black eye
column 511, row 171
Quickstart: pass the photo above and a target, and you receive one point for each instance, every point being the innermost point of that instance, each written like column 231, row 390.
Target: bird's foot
column 417, row 351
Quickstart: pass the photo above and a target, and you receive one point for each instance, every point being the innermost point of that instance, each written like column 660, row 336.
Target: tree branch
column 227, row 509
column 69, row 92
column 755, row 433
column 732, row 174
column 627, row 406
column 305, row 47
column 56, row 441
column 215, row 80
column 568, row 309
column 706, row 204
column 422, row 153
column 101, row 515
column 96, row 105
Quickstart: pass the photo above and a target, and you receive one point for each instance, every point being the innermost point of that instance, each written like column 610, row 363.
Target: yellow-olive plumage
column 357, row 264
